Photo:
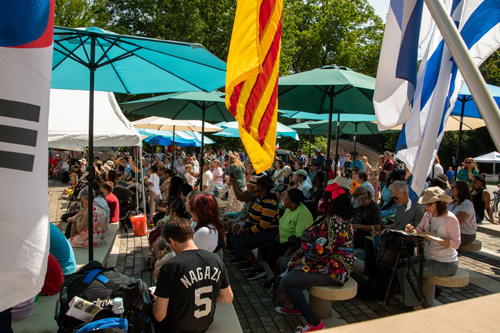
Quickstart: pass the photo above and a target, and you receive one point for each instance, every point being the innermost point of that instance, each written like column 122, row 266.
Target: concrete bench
column 101, row 253
column 459, row 279
column 225, row 319
column 476, row 245
column 320, row 299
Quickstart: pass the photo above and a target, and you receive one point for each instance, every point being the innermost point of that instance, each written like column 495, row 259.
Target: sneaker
column 256, row 274
column 283, row 310
column 310, row 328
column 246, row 267
column 237, row 260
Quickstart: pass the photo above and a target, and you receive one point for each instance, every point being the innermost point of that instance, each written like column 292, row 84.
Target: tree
column 73, row 13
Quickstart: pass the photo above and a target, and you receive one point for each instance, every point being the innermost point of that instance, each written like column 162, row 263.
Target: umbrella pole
column 141, row 181
column 202, row 162
column 90, row 167
column 457, row 162
column 173, row 142
column 337, row 137
column 310, row 139
column 329, row 137
column 355, row 140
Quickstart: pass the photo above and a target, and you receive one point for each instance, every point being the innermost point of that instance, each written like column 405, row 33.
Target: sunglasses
column 396, row 197
column 466, row 162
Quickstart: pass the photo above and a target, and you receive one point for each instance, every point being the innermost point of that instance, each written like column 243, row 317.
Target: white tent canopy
column 69, row 121
column 493, row 157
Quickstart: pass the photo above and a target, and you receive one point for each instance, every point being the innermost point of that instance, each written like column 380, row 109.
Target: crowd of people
column 304, row 218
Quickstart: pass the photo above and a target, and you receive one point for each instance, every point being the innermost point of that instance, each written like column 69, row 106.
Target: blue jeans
column 294, row 282
column 243, row 245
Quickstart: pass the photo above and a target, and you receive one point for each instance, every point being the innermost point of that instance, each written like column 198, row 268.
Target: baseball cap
column 301, row 172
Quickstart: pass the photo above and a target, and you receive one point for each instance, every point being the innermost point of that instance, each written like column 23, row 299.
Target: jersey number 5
column 202, row 301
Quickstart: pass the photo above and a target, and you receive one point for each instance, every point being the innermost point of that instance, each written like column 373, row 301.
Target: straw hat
column 341, row 181
column 433, row 194
column 252, row 181
column 442, row 178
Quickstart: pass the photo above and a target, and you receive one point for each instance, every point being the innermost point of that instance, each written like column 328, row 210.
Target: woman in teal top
column 468, row 171
column 238, row 170
column 294, row 221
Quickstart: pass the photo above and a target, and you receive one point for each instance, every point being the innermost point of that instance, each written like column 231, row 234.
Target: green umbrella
column 327, row 90
column 204, row 106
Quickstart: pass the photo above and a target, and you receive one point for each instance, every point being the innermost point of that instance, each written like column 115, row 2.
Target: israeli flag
column 26, row 46
column 407, row 26
column 439, row 83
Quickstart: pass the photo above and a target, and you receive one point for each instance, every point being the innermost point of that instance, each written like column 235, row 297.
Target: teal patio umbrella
column 205, row 106
column 327, row 90
column 96, row 59
column 231, row 130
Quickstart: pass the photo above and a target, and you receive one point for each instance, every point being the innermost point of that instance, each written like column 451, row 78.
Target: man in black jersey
column 190, row 284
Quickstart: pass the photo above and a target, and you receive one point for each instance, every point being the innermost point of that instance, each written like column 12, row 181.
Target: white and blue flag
column 408, row 25
column 439, row 81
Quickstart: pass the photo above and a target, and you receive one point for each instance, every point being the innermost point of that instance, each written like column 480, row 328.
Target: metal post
column 173, row 140
column 90, row 177
column 355, row 141
column 141, row 181
column 330, row 110
column 336, row 159
column 310, row 139
column 484, row 101
column 202, row 162
column 457, row 161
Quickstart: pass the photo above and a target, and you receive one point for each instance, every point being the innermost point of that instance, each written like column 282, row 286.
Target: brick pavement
column 252, row 301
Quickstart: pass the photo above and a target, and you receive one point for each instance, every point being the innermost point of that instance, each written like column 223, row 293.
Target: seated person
column 263, row 223
column 53, row 277
column 325, row 257
column 463, row 208
column 403, row 217
column 300, row 179
column 291, row 225
column 363, row 181
column 315, row 192
column 112, row 201
column 190, row 285
column 184, row 191
column 366, row 216
column 248, row 196
column 441, row 181
column 388, row 206
column 440, row 257
column 62, row 250
column 100, row 217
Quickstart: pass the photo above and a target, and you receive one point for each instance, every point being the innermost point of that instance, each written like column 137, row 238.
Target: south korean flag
column 26, row 43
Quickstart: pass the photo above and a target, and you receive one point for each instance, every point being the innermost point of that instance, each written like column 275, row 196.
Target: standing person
column 325, row 257
column 468, row 172
column 208, row 178
column 342, row 160
column 378, row 170
column 438, row 168
column 347, row 163
column 440, row 257
column 320, row 158
column 241, row 155
column 463, row 209
column 372, row 177
column 237, row 169
column 218, row 173
column 154, row 191
column 387, row 167
column 190, row 284
column 300, row 157
column 481, row 199
column 356, row 161
column 451, row 175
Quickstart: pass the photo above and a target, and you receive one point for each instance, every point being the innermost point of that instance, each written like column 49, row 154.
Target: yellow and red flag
column 252, row 77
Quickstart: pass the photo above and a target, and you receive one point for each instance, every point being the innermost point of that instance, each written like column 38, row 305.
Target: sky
column 381, row 7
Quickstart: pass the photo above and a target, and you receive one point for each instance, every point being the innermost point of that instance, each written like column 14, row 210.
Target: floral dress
column 328, row 249
column 101, row 220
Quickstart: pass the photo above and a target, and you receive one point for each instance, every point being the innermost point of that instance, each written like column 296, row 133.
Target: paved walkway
column 253, row 304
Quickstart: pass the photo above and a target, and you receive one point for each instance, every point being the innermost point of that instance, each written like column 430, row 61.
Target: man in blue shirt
column 320, row 158
column 356, row 162
column 450, row 174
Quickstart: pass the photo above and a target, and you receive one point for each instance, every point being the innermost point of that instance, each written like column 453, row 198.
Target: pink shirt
column 445, row 227
column 218, row 176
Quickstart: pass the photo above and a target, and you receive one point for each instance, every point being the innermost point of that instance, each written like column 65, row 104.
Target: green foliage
column 491, row 69
column 73, row 13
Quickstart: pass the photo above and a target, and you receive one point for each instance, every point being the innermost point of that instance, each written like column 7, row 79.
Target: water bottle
column 118, row 309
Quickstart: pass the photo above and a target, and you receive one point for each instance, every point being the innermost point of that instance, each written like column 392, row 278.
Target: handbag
column 277, row 295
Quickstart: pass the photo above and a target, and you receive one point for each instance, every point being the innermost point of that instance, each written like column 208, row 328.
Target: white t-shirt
column 469, row 226
column 155, row 188
column 304, row 187
column 160, row 156
column 65, row 166
column 195, row 169
column 208, row 181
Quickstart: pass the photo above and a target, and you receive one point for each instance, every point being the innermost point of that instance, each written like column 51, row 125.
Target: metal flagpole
column 90, row 167
column 143, row 185
column 485, row 103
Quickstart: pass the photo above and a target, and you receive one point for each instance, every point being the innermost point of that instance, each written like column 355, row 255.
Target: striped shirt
column 264, row 214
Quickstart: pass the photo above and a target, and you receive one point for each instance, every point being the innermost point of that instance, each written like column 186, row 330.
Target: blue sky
column 381, row 7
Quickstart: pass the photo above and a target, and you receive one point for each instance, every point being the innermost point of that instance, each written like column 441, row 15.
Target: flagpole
column 485, row 103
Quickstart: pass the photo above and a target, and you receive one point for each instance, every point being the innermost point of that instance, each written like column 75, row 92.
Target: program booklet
column 82, row 309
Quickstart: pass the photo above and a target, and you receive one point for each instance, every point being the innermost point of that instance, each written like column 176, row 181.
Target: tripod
column 416, row 287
